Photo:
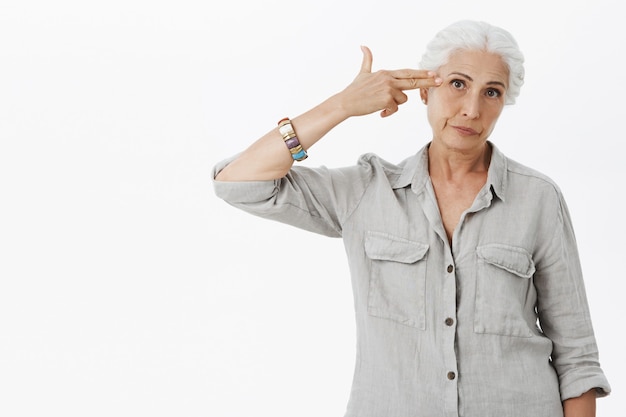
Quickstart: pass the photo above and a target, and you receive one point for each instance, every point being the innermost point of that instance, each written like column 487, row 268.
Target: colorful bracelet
column 291, row 140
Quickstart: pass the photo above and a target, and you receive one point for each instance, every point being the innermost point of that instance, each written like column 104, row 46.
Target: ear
column 424, row 95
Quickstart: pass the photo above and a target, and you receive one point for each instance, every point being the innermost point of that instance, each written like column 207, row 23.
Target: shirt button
column 449, row 321
column 451, row 375
column 450, row 268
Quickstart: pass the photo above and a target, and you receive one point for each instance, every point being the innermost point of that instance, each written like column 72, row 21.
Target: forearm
column 583, row 406
column 268, row 158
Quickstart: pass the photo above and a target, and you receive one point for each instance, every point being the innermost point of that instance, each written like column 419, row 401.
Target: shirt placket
column 449, row 333
column 446, row 316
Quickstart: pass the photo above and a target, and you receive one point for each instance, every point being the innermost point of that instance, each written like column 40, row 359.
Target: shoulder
column 373, row 160
column 517, row 170
column 378, row 166
column 368, row 168
column 529, row 182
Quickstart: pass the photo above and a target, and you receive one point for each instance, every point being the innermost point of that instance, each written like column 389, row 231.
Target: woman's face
column 464, row 109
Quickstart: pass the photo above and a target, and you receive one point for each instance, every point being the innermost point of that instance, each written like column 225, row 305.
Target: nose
column 471, row 105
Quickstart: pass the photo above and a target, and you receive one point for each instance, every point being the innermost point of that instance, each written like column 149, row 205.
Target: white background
column 128, row 289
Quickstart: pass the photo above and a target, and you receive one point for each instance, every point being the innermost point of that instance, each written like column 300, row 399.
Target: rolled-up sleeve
column 242, row 192
column 313, row 199
column 564, row 312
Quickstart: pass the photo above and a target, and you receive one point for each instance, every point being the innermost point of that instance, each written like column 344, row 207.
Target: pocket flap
column 385, row 247
column 510, row 258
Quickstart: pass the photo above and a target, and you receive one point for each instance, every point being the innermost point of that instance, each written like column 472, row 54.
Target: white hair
column 475, row 35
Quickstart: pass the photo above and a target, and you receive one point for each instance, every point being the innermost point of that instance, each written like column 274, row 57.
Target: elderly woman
column 468, row 290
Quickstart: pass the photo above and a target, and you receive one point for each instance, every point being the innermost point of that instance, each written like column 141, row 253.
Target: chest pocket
column 505, row 296
column 397, row 281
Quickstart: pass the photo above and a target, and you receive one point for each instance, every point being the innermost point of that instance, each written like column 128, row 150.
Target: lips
column 465, row 131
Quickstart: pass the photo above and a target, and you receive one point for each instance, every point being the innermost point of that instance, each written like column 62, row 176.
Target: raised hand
column 382, row 90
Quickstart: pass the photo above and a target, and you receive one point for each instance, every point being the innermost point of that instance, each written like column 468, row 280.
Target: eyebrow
column 471, row 79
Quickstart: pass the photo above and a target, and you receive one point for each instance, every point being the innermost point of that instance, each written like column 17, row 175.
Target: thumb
column 366, row 66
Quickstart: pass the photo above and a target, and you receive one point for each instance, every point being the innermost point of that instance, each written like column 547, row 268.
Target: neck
column 448, row 163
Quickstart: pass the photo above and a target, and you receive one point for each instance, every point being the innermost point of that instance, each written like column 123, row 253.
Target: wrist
column 338, row 107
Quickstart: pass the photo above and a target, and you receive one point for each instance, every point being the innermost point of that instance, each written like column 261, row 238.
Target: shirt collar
column 415, row 172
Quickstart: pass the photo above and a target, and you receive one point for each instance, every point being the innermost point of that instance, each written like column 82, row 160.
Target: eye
column 458, row 84
column 493, row 93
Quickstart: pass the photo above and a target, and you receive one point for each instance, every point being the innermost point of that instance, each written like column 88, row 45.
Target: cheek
column 493, row 115
column 439, row 110
column 436, row 118
column 444, row 101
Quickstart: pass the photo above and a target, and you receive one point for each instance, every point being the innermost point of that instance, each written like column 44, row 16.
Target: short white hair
column 476, row 35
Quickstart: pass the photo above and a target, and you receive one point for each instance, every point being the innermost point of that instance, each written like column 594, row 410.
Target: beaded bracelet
column 291, row 140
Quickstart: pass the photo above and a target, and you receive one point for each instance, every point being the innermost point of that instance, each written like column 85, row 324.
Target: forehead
column 481, row 66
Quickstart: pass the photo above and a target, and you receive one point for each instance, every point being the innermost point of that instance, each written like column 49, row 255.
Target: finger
column 388, row 111
column 414, row 83
column 400, row 98
column 366, row 65
column 396, row 100
column 412, row 73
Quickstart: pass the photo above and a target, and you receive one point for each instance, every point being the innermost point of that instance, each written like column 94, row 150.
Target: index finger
column 421, row 81
column 411, row 73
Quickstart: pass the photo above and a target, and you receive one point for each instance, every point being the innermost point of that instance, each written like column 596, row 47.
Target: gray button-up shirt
column 496, row 324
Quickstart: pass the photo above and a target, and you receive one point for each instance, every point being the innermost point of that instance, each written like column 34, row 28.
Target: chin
column 463, row 143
